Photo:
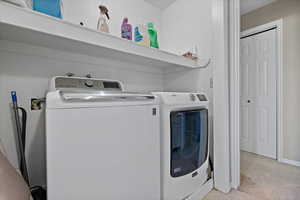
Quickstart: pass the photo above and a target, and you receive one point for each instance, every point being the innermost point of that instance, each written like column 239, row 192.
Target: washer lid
column 104, row 96
column 76, row 99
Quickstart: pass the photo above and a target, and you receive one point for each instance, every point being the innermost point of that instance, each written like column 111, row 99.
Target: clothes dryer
column 184, row 144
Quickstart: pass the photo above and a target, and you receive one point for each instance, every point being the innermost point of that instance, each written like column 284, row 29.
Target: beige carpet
column 263, row 179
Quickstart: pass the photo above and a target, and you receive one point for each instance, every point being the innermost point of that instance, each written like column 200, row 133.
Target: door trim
column 220, row 42
column 278, row 24
column 234, row 91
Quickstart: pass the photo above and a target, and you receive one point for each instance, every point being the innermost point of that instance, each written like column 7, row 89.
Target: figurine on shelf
column 126, row 29
column 103, row 19
column 192, row 54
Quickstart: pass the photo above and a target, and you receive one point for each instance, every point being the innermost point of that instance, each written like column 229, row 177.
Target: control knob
column 89, row 83
column 193, row 97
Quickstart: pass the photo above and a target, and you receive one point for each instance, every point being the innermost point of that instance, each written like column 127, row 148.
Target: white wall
column 182, row 32
column 186, row 25
column 28, row 69
column 137, row 11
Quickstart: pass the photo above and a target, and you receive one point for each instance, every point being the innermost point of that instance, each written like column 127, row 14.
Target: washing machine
column 184, row 145
column 102, row 142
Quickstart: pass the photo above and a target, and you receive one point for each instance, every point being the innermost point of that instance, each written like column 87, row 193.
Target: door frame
column 226, row 78
column 279, row 78
column 221, row 122
column 234, row 90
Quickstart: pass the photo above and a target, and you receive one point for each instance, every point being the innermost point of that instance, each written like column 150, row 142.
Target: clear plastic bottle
column 103, row 20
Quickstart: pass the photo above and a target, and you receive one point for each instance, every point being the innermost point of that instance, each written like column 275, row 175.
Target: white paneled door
column 258, row 95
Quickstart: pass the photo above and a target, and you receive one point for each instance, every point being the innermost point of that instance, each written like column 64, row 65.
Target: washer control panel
column 182, row 98
column 85, row 84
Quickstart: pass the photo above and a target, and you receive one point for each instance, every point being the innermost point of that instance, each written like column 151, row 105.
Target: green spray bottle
column 152, row 36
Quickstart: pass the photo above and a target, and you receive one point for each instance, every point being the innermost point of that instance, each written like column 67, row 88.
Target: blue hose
column 14, row 96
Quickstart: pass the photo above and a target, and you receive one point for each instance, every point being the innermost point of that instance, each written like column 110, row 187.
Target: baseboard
column 291, row 162
column 203, row 191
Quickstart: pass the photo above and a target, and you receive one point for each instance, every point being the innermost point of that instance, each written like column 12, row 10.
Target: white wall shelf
column 26, row 26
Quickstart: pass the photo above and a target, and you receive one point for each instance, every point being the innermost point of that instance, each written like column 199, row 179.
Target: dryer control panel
column 182, row 98
column 59, row 83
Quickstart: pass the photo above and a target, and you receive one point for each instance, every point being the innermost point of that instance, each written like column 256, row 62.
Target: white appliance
column 184, row 145
column 102, row 143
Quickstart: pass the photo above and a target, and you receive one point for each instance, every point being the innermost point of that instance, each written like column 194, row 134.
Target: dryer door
column 189, row 141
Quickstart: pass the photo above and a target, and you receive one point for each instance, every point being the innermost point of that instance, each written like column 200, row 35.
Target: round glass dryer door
column 189, row 141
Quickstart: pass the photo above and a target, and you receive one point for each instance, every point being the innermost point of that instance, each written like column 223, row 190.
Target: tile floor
column 263, row 179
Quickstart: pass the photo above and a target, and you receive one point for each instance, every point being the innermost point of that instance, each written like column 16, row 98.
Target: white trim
column 235, row 92
column 291, row 162
column 261, row 28
column 221, row 95
column 280, row 94
column 278, row 24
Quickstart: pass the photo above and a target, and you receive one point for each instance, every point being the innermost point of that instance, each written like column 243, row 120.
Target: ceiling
column 162, row 4
column 250, row 5
column 246, row 5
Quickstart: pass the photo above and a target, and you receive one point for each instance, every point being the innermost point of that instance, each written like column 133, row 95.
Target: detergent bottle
column 126, row 29
column 153, row 36
column 143, row 39
column 49, row 7
column 138, row 37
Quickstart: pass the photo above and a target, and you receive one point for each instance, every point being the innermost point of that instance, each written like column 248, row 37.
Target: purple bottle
column 126, row 29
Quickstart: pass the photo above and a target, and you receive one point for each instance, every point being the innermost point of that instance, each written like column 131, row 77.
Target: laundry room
column 102, row 41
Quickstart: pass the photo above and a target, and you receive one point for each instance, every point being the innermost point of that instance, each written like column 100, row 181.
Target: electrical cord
column 23, row 125
column 23, row 164
column 211, row 164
